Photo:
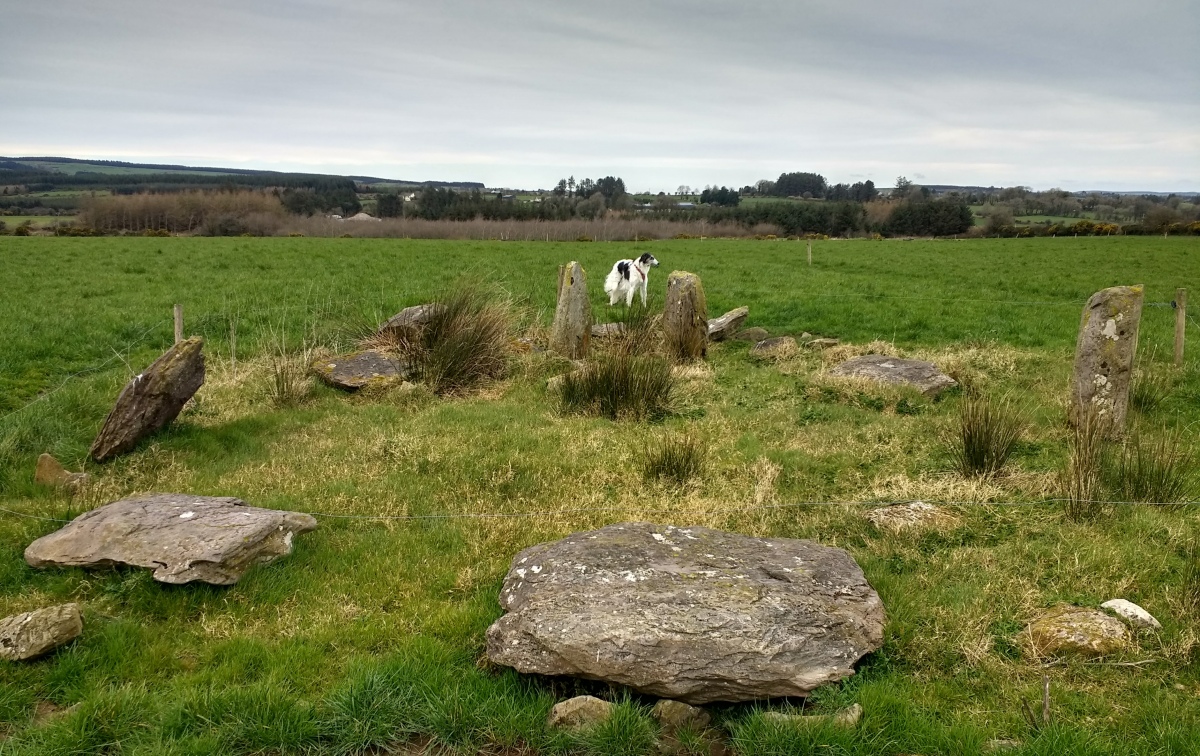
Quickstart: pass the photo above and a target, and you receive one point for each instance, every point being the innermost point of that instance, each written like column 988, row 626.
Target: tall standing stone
column 152, row 399
column 1108, row 335
column 571, row 333
column 685, row 316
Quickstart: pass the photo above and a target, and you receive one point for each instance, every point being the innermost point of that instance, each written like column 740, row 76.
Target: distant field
column 38, row 221
column 369, row 639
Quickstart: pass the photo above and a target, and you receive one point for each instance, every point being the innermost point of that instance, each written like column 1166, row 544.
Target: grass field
column 371, row 633
column 38, row 221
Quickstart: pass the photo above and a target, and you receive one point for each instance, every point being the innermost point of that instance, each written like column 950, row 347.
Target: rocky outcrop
column 50, row 472
column 923, row 376
column 685, row 317
column 1076, row 630
column 179, row 536
column 32, row 634
column 1104, row 353
column 151, row 400
column 692, row 614
column 350, row 372
column 571, row 332
column 725, row 326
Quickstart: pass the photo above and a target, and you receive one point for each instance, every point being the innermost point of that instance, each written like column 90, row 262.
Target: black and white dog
column 628, row 277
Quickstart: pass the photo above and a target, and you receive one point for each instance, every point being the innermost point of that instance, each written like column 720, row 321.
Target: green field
column 371, row 634
column 37, row 221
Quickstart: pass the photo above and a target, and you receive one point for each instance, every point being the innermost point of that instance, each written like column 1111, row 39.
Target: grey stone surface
column 409, row 321
column 571, row 332
column 151, row 400
column 579, row 713
column 179, row 536
column 685, row 316
column 351, row 372
column 32, row 634
column 692, row 614
column 1104, row 354
column 725, row 326
column 672, row 715
column 754, row 334
column 924, row 376
column 779, row 346
column 50, row 472
column 1132, row 613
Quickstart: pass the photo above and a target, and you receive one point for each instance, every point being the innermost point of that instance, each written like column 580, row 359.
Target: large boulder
column 685, row 316
column 1104, row 352
column 179, row 536
column 152, row 399
column 350, row 372
column 32, row 634
column 923, row 376
column 692, row 614
column 728, row 324
column 571, row 332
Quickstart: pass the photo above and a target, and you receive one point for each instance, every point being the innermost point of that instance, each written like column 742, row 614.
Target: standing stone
column 29, row 635
column 179, row 536
column 685, row 316
column 725, row 326
column 1108, row 335
column 692, row 614
column 152, row 399
column 571, row 333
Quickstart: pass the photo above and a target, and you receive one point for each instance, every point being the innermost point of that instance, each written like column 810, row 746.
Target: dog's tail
column 613, row 281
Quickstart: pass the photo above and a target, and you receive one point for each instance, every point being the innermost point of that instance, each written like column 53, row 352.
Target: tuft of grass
column 1079, row 481
column 620, row 386
column 627, row 732
column 1191, row 573
column 640, row 331
column 1151, row 386
column 466, row 342
column 290, row 384
column 678, row 458
column 1156, row 469
column 988, row 431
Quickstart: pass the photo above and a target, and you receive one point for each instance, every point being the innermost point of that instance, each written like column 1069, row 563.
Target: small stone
column 1132, row 613
column 32, row 634
column 778, row 347
column 351, row 372
column 408, row 322
column 607, row 330
column 914, row 514
column 578, row 713
column 847, row 718
column 672, row 715
column 924, row 376
column 50, row 472
column 822, row 343
column 1000, row 744
column 1066, row 629
column 754, row 335
column 723, row 327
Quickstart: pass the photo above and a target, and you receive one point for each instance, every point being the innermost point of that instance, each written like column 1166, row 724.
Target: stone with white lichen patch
column 1104, row 357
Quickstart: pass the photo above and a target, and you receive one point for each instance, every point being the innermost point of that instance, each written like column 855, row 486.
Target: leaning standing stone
column 152, row 399
column 29, row 635
column 685, row 316
column 692, row 614
column 571, row 333
column 1108, row 334
column 179, row 536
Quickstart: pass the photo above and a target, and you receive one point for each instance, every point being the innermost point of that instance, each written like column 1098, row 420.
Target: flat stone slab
column 179, row 536
column 692, row 614
column 353, row 371
column 924, row 376
column 32, row 634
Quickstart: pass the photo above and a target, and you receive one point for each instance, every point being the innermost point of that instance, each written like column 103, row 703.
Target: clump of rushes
column 640, row 330
column 678, row 458
column 988, row 431
column 1079, row 481
column 290, row 384
column 1151, row 386
column 620, row 386
column 464, row 344
column 1156, row 469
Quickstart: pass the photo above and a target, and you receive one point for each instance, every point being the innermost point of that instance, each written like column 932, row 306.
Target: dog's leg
column 644, row 293
column 629, row 296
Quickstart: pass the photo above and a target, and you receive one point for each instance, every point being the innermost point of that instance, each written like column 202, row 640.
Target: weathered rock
column 1066, row 629
column 674, row 715
column 995, row 745
column 725, row 326
column 350, row 372
column 691, row 614
column 685, row 316
column 50, row 472
column 152, row 399
column 179, row 536
column 847, row 717
column 822, row 343
column 408, row 322
column 914, row 514
column 607, row 330
column 780, row 346
column 571, row 333
column 754, row 335
column 1132, row 613
column 32, row 634
column 579, row 713
column 924, row 376
column 1104, row 353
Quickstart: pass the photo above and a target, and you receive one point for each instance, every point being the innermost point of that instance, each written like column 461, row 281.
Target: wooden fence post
column 1180, row 324
column 810, row 251
column 178, row 323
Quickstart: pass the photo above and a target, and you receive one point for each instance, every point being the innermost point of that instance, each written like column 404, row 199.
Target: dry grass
column 676, row 458
column 1080, row 480
column 987, row 431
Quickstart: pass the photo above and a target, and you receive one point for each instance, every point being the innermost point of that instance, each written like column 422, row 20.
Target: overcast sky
column 1079, row 95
